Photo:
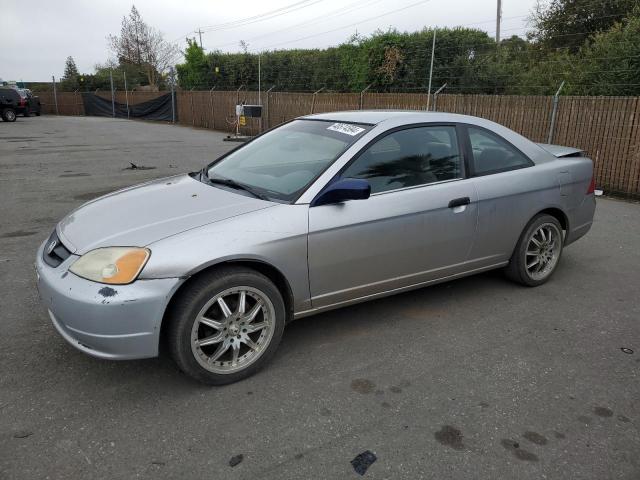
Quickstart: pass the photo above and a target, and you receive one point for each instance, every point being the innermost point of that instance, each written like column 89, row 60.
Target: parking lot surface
column 477, row 378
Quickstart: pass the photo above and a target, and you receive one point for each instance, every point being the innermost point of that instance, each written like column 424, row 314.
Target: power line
column 333, row 13
column 271, row 12
column 350, row 25
column 262, row 19
column 257, row 18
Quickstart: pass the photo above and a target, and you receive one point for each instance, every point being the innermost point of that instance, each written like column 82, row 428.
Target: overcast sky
column 37, row 36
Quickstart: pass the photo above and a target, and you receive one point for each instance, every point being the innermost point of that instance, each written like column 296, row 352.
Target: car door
column 418, row 224
column 507, row 193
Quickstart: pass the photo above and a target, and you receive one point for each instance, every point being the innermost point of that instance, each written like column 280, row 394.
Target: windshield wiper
column 233, row 184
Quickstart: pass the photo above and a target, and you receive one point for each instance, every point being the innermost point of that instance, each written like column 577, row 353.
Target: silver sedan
column 321, row 212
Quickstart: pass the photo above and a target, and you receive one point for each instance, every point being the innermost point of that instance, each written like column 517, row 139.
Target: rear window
column 9, row 94
column 492, row 154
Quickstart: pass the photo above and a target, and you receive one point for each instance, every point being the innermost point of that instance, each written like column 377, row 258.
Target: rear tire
column 537, row 252
column 9, row 115
column 225, row 325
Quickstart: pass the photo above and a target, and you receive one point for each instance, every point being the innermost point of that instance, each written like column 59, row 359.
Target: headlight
column 114, row 265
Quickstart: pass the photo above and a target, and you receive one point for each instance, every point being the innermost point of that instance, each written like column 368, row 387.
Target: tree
column 142, row 45
column 193, row 73
column 135, row 76
column 568, row 23
column 70, row 79
column 610, row 63
column 467, row 60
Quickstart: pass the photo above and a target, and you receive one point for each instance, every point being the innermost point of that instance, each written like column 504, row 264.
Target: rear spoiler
column 559, row 151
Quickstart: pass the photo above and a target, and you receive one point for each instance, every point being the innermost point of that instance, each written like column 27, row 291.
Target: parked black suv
column 15, row 102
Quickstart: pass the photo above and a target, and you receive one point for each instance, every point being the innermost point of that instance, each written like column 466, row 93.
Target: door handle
column 459, row 202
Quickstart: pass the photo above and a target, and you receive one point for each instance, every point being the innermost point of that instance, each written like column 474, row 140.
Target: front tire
column 9, row 115
column 225, row 325
column 537, row 252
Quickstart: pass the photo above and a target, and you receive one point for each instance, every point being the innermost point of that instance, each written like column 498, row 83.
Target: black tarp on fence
column 156, row 109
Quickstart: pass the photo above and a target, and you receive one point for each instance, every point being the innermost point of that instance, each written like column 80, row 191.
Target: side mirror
column 342, row 190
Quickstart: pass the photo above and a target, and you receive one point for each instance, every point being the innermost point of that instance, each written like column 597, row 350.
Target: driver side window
column 410, row 157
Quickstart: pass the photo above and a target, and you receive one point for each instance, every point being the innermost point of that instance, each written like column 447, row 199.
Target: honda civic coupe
column 321, row 212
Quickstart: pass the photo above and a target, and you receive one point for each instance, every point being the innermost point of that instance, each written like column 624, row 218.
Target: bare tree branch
column 142, row 45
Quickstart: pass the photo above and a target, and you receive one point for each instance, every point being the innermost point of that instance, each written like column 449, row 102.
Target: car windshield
column 282, row 163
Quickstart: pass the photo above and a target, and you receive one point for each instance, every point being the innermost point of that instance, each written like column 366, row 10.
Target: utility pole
column 498, row 19
column 199, row 32
column 433, row 49
column 259, row 81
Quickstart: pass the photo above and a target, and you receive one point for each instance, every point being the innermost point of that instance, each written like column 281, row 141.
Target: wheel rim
column 233, row 329
column 10, row 115
column 543, row 251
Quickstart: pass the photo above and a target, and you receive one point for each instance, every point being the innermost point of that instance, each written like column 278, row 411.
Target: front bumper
column 116, row 322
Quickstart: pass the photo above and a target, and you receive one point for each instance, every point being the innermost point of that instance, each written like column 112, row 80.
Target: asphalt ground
column 477, row 378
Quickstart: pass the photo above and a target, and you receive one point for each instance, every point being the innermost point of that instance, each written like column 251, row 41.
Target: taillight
column 592, row 185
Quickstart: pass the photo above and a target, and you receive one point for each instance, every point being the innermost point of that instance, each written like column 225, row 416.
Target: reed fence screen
column 607, row 128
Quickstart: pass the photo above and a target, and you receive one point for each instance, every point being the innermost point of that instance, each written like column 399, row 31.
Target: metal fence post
column 238, row 94
column 213, row 113
column 362, row 95
column 269, row 106
column 126, row 94
column 113, row 98
column 173, row 104
column 75, row 99
column 172, row 82
column 313, row 99
column 55, row 94
column 435, row 96
column 259, row 84
column 554, row 112
column 193, row 118
column 433, row 49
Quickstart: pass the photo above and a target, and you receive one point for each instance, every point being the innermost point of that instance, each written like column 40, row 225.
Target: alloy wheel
column 233, row 329
column 543, row 251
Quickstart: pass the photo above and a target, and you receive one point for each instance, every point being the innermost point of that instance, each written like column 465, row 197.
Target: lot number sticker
column 346, row 128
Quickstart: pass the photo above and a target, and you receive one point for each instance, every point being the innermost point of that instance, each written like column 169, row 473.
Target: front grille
column 54, row 251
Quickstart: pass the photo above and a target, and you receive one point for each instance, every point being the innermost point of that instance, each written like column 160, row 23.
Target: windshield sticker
column 346, row 128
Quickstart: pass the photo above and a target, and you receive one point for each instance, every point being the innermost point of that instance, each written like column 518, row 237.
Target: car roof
column 388, row 119
column 374, row 117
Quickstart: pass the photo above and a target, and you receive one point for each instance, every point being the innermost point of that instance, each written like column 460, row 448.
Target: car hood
column 139, row 215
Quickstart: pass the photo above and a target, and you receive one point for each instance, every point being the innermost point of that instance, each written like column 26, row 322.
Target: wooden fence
column 607, row 128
